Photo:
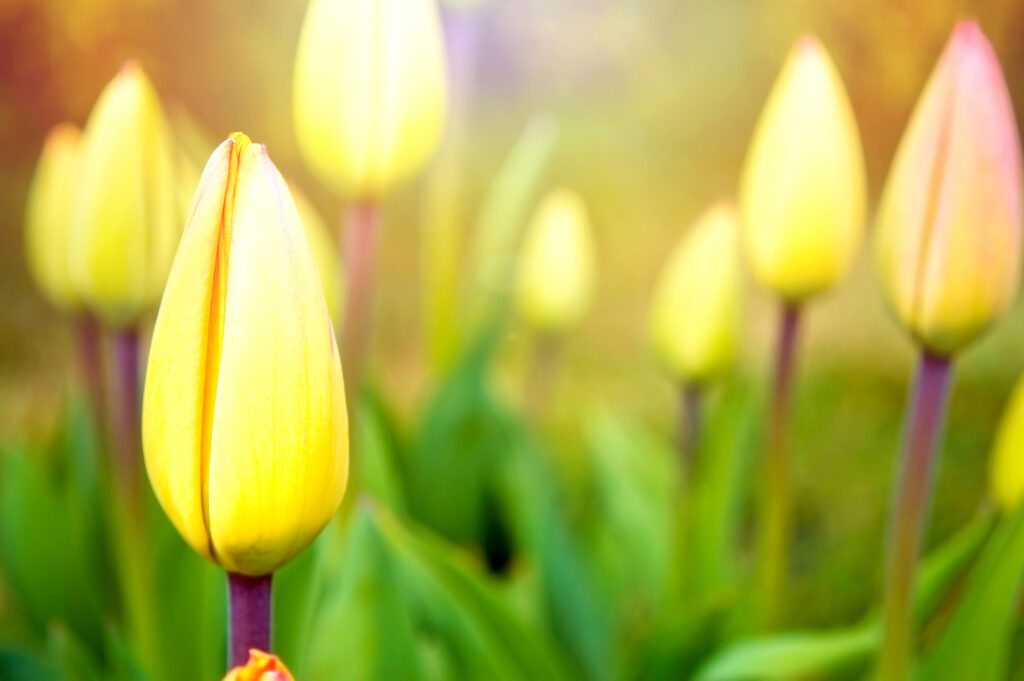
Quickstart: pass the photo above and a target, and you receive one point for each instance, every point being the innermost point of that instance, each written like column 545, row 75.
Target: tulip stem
column 541, row 375
column 924, row 426
column 249, row 601
column 690, row 403
column 775, row 500
column 127, row 430
column 87, row 333
column 360, row 251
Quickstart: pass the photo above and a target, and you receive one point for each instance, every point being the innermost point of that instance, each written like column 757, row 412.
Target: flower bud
column 260, row 667
column 243, row 423
column 948, row 232
column 556, row 266
column 803, row 186
column 369, row 95
column 127, row 220
column 1006, row 474
column 325, row 253
column 48, row 216
column 695, row 314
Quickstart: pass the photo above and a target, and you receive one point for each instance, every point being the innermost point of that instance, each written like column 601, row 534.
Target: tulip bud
column 127, row 221
column 260, row 667
column 1006, row 478
column 325, row 253
column 48, row 216
column 369, row 94
column 949, row 236
column 556, row 266
column 695, row 315
column 803, row 186
column 244, row 424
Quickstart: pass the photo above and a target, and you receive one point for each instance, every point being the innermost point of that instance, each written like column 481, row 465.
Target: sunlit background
column 654, row 102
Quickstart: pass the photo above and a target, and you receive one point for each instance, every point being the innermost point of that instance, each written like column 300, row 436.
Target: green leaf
column 976, row 642
column 17, row 666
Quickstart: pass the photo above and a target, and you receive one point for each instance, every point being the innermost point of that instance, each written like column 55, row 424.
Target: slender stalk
column 540, row 378
column 925, row 422
column 360, row 253
column 775, row 499
column 127, row 429
column 248, row 616
column 87, row 333
column 690, row 403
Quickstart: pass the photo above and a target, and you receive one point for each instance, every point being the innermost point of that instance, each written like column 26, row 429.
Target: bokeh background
column 654, row 103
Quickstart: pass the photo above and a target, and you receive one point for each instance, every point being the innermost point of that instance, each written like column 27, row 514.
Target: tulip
column 556, row 266
column 48, row 217
column 127, row 221
column 948, row 250
column 325, row 253
column 803, row 202
column 244, row 425
column 369, row 94
column 695, row 314
column 1006, row 476
column 260, row 667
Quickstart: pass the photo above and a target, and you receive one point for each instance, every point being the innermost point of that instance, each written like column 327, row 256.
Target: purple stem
column 360, row 252
column 543, row 371
column 127, row 430
column 925, row 423
column 87, row 333
column 689, row 425
column 776, row 496
column 249, row 616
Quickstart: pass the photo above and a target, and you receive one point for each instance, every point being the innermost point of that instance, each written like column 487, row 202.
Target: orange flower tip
column 240, row 141
column 260, row 667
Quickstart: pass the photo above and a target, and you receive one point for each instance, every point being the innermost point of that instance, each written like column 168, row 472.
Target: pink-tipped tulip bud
column 949, row 233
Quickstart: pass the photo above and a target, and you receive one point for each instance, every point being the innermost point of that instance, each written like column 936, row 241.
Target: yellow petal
column 127, row 220
column 695, row 314
column 1006, row 478
column 369, row 91
column 948, row 236
column 556, row 267
column 48, row 216
column 803, row 185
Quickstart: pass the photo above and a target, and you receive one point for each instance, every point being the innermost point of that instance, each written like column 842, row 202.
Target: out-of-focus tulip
column 949, row 233
column 260, row 667
column 369, row 93
column 556, row 266
column 1006, row 479
column 244, row 422
column 325, row 253
column 48, row 216
column 803, row 186
column 695, row 314
column 127, row 219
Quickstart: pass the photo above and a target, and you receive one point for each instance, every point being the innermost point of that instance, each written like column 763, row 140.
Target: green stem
column 127, row 431
column 912, row 504
column 775, row 499
column 690, row 399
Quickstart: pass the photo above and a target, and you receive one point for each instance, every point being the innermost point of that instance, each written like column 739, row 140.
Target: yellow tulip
column 244, row 424
column 803, row 186
column 369, row 92
column 260, row 667
column 556, row 266
column 127, row 218
column 1006, row 478
column 695, row 314
column 949, row 221
column 325, row 253
column 48, row 216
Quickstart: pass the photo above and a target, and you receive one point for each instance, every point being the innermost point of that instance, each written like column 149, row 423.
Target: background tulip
column 949, row 221
column 1006, row 476
column 126, row 216
column 48, row 216
column 369, row 92
column 555, row 280
column 948, row 249
column 325, row 253
column 803, row 186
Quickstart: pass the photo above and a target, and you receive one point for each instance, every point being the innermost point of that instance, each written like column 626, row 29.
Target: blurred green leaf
column 17, row 666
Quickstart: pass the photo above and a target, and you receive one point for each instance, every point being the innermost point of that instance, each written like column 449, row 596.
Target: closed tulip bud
column 556, row 267
column 325, row 253
column 48, row 216
column 803, row 186
column 244, row 423
column 948, row 233
column 260, row 667
column 695, row 314
column 1006, row 479
column 127, row 220
column 369, row 93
